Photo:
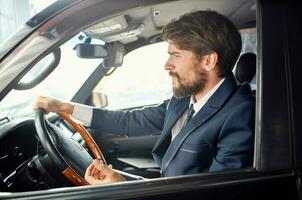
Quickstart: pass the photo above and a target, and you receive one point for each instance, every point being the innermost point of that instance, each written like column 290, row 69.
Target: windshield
column 14, row 15
column 62, row 83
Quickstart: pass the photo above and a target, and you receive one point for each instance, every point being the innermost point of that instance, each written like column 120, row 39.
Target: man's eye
column 177, row 56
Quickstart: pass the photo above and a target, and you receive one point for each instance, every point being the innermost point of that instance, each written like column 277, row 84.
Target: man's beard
column 187, row 90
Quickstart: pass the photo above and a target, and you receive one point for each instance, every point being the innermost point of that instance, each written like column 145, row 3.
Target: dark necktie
column 190, row 113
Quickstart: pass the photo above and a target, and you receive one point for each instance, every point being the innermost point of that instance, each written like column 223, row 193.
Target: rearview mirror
column 116, row 55
column 86, row 50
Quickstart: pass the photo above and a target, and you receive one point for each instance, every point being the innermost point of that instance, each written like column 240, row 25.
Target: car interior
column 25, row 164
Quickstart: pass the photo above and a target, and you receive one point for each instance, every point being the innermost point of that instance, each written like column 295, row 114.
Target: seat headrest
column 245, row 68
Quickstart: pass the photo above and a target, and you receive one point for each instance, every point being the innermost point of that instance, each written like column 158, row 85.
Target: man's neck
column 208, row 87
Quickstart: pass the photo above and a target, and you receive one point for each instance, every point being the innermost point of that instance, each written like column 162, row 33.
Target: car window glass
column 41, row 66
column 141, row 80
column 62, row 83
column 249, row 40
column 11, row 21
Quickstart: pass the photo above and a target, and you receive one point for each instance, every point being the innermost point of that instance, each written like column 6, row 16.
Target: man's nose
column 169, row 65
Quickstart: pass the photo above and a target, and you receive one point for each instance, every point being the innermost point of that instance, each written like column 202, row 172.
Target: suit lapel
column 214, row 104
column 200, row 118
column 173, row 115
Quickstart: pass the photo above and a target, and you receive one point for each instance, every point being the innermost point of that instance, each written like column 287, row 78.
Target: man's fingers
column 89, row 170
column 104, row 169
column 88, row 173
column 94, row 172
column 40, row 103
column 48, row 104
column 53, row 105
column 91, row 180
column 99, row 173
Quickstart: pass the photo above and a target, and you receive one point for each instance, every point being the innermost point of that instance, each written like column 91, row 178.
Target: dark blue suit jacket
column 219, row 137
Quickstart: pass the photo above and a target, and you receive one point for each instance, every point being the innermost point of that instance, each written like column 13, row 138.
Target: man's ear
column 210, row 61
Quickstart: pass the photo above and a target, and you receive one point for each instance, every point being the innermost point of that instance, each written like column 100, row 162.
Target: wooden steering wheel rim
column 69, row 173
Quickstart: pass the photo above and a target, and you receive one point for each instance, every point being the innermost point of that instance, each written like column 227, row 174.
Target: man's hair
column 205, row 32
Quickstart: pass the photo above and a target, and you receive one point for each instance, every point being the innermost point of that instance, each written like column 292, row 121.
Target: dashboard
column 23, row 163
column 18, row 143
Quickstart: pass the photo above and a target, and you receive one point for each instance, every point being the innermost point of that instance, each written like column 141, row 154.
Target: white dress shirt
column 196, row 106
column 83, row 114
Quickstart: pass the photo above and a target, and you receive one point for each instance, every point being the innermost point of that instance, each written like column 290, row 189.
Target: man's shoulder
column 245, row 93
column 242, row 98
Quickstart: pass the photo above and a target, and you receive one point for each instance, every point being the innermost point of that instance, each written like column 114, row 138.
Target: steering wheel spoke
column 69, row 156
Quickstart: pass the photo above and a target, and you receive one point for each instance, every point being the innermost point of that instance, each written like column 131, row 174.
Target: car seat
column 245, row 68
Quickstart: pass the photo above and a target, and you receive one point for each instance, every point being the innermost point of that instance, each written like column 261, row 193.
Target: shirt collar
column 201, row 102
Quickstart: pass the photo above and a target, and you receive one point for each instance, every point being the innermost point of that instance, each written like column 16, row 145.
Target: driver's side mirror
column 99, row 99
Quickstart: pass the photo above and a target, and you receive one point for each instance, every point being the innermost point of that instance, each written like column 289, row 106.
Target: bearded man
column 208, row 124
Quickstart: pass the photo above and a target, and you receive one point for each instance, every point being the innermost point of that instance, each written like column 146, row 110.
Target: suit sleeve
column 132, row 123
column 235, row 144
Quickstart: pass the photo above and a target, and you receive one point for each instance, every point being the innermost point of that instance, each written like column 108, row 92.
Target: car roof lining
column 143, row 24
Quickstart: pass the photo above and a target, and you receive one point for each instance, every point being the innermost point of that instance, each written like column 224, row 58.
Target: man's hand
column 53, row 105
column 97, row 174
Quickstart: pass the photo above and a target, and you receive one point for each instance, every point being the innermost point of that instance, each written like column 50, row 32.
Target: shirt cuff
column 82, row 114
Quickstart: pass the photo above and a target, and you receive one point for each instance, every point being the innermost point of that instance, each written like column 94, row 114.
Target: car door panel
column 245, row 184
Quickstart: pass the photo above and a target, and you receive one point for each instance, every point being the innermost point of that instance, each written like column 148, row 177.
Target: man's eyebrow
column 173, row 52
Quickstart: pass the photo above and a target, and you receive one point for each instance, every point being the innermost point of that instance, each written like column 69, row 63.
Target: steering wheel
column 68, row 155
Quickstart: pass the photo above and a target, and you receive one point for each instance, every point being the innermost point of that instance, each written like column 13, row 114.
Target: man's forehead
column 173, row 47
